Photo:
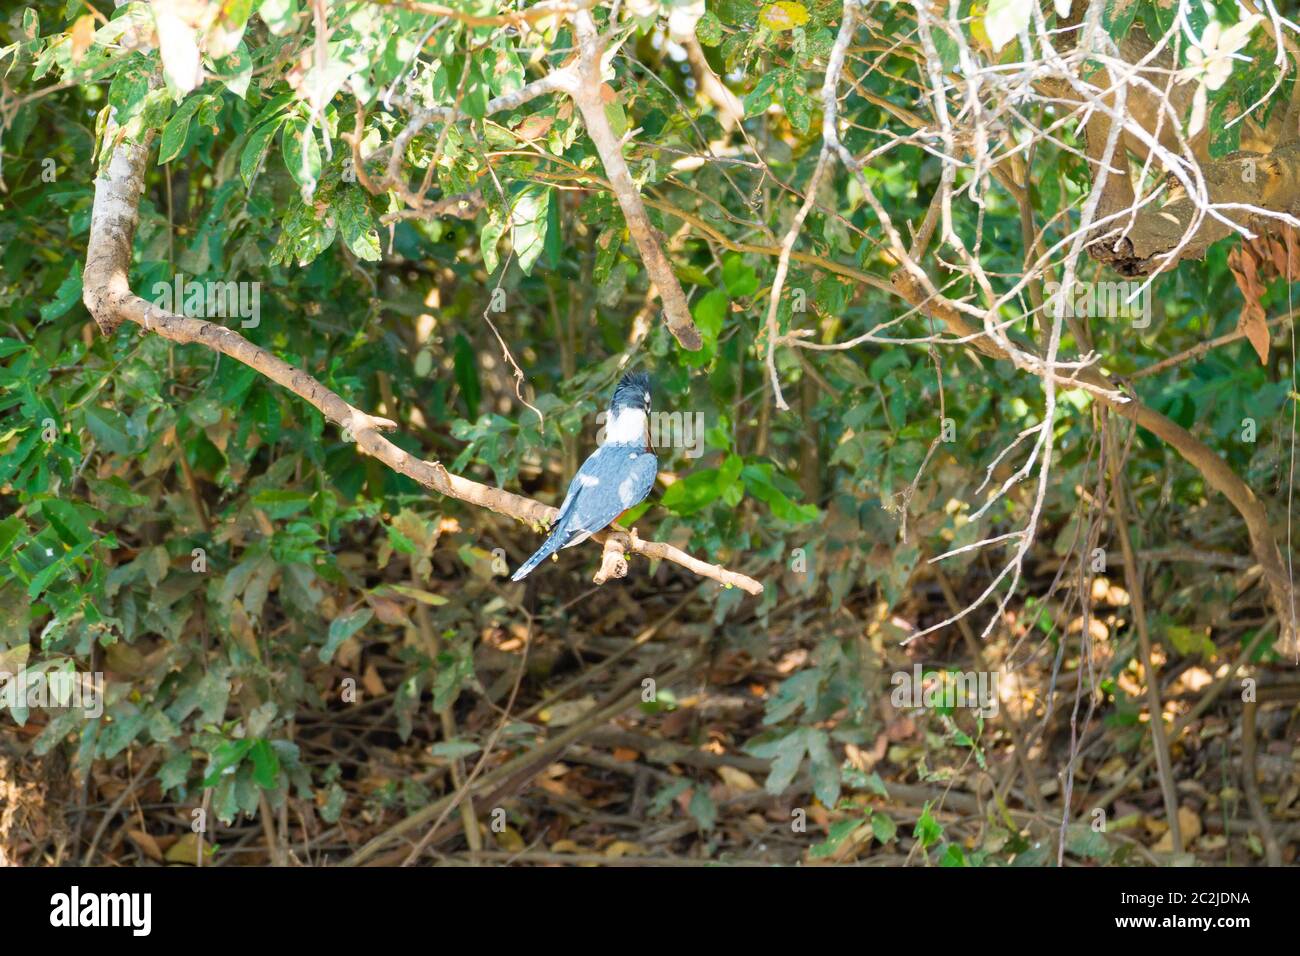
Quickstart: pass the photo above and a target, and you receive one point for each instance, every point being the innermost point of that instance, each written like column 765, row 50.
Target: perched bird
column 617, row 476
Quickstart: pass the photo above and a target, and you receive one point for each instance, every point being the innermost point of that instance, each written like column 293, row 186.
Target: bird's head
column 629, row 411
column 632, row 392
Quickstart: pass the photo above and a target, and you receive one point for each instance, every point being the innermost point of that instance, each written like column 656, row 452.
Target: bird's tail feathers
column 548, row 548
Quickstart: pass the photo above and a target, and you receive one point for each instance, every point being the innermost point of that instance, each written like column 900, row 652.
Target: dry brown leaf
column 1255, row 326
column 567, row 712
column 534, row 127
column 387, row 610
column 1253, row 264
column 737, row 779
column 623, row 848
column 1155, row 826
column 1113, row 769
column 147, row 844
column 241, row 629
column 1277, row 253
column 677, row 722
column 83, row 35
column 372, row 682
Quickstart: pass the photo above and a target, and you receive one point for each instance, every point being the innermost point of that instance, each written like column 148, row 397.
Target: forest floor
column 576, row 768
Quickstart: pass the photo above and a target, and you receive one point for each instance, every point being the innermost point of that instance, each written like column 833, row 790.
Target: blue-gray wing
column 612, row 480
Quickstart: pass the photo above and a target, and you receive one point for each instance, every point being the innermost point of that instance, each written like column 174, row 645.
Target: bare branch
column 584, row 86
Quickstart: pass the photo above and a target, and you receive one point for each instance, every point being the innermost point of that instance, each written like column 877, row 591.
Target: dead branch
column 1199, row 455
column 586, row 87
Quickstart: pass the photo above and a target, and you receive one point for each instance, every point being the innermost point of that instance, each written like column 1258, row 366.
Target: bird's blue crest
column 633, row 391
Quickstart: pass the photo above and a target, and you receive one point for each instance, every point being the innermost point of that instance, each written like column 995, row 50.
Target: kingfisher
column 615, row 477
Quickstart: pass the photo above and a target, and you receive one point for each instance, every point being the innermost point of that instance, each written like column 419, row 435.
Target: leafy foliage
column 176, row 520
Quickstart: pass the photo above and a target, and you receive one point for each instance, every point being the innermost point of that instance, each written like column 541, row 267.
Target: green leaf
column 825, row 771
column 839, row 832
column 10, row 529
column 709, row 29
column 953, row 856
column 927, row 829
column 343, row 627
column 281, row 502
column 702, row 808
column 796, row 102
column 709, row 312
column 108, row 426
column 665, row 797
column 466, row 367
column 226, row 759
column 1225, row 136
column 948, row 50
column 883, row 828
column 1117, row 17
column 116, row 491
column 488, row 238
column 266, row 415
column 789, row 753
column 272, row 108
column 176, row 770
column 301, row 154
column 400, row 541
column 66, row 296
column 758, row 482
column 178, row 46
column 130, row 87
column 617, row 117
column 68, row 521
column 235, row 71
column 357, row 226
column 177, row 128
column 554, row 249
column 36, row 587
column 760, row 97
column 266, row 765
column 250, row 160
column 454, row 749
column 528, row 225
column 695, row 492
column 740, row 279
